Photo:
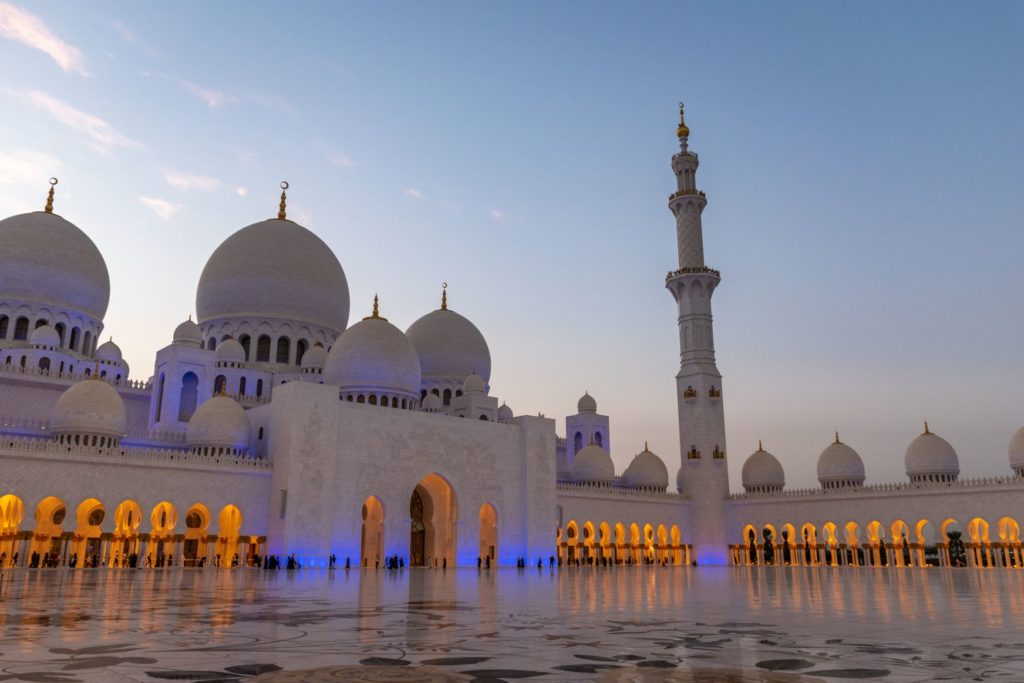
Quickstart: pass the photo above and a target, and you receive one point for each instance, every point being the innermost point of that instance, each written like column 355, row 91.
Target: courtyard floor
column 645, row 624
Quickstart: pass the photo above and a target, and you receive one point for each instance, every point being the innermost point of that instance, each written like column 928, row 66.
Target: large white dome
column 219, row 423
column 647, row 470
column 374, row 356
column 1017, row 451
column 839, row 465
column 762, row 472
column 929, row 456
column 593, row 464
column 450, row 347
column 47, row 260
column 274, row 269
column 90, row 407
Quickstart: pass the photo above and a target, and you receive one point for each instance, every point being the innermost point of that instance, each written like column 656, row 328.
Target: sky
column 862, row 162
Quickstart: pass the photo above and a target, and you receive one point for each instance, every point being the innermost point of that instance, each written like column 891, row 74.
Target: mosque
column 271, row 425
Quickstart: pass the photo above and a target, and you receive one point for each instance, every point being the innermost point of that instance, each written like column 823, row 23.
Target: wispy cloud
column 28, row 29
column 98, row 132
column 214, row 99
column 28, row 166
column 412, row 192
column 270, row 101
column 340, row 160
column 188, row 181
column 241, row 191
column 164, row 209
column 126, row 32
column 498, row 216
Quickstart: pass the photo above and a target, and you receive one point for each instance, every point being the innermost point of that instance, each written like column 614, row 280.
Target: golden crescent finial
column 682, row 131
column 281, row 213
column 444, row 296
column 49, row 197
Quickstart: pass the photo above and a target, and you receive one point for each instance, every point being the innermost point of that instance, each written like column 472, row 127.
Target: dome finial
column 49, row 197
column 760, row 448
column 837, row 437
column 375, row 315
column 682, row 131
column 281, row 214
column 444, row 296
column 96, row 371
column 926, row 431
column 646, row 449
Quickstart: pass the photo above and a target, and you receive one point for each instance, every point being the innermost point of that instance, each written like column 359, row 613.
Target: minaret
column 703, row 476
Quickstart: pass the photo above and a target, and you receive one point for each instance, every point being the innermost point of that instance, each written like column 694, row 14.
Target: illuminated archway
column 125, row 541
column 1009, row 536
column 588, row 541
column 662, row 536
column 85, row 548
column 488, row 532
column 12, row 512
column 433, row 509
column 788, row 542
column 751, row 543
column 677, row 544
column 229, row 526
column 371, row 537
column 809, row 536
column 46, row 546
column 831, row 544
column 635, row 549
column 572, row 539
column 650, row 554
column 876, row 541
column 978, row 530
column 605, row 540
column 621, row 550
column 195, row 547
column 851, row 533
column 902, row 555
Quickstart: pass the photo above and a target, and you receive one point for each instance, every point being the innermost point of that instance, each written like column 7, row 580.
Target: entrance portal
column 433, row 512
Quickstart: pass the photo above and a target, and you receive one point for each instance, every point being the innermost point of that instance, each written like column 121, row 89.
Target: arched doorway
column 197, row 521
column 125, row 543
column 229, row 525
column 372, row 536
column 12, row 511
column 46, row 539
column 488, row 532
column 433, row 512
column 85, row 551
column 163, row 518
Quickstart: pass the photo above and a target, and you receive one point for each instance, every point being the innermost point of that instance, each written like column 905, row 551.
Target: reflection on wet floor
column 661, row 624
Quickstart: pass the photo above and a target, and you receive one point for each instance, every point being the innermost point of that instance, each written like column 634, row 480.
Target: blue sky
column 862, row 164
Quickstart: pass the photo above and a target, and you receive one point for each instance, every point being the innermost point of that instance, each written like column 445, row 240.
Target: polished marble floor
column 645, row 624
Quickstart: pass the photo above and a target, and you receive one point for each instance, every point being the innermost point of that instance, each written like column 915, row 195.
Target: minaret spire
column 49, row 197
column 704, row 479
column 281, row 213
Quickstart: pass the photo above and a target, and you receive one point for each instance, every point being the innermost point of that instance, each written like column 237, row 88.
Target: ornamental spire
column 926, row 431
column 837, row 437
column 49, row 197
column 760, row 448
column 682, row 131
column 281, row 214
column 444, row 296
column 375, row 315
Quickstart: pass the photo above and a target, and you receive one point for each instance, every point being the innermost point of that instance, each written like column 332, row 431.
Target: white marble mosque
column 270, row 425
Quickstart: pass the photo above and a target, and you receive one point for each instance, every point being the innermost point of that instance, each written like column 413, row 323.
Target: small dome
column 473, row 384
column 762, row 471
column 315, row 357
column 505, row 413
column 1017, row 451
column 646, row 470
column 929, row 455
column 432, row 403
column 230, row 351
column 219, row 423
column 188, row 334
column 450, row 347
column 47, row 260
column 44, row 335
column 840, row 465
column 90, row 406
column 109, row 352
column 374, row 355
column 274, row 269
column 586, row 404
column 679, row 480
column 593, row 464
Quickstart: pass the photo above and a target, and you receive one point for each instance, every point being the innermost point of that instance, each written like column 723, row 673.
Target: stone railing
column 687, row 271
column 616, row 489
column 134, row 455
column 72, row 377
column 686, row 193
column 974, row 482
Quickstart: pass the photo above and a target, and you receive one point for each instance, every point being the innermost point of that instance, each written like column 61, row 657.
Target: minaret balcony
column 686, row 193
column 702, row 270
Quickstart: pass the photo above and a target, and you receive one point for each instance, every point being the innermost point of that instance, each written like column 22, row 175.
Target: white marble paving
column 624, row 624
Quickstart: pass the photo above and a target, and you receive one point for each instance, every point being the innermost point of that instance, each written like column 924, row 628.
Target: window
column 263, row 349
column 211, row 344
column 447, row 397
column 189, row 395
column 219, row 385
column 61, row 329
column 284, row 350
column 300, row 350
column 21, row 329
column 241, row 387
column 246, row 342
column 598, row 439
column 259, row 388
column 577, row 443
column 4, row 322
column 87, row 342
column 44, row 364
column 160, row 397
column 40, row 323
